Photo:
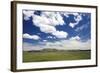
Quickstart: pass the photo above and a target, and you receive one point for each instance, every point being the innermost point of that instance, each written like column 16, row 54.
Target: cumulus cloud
column 55, row 18
column 77, row 18
column 47, row 29
column 34, row 37
column 38, row 20
column 59, row 18
column 60, row 34
column 72, row 24
column 75, row 38
column 52, row 18
column 49, row 18
column 27, row 14
column 43, row 23
column 47, row 22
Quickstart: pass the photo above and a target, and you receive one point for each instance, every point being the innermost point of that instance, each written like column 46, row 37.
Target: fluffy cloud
column 69, row 13
column 75, row 38
column 47, row 29
column 77, row 18
column 47, row 22
column 27, row 14
column 52, row 18
column 38, row 20
column 59, row 18
column 34, row 37
column 43, row 23
column 49, row 18
column 60, row 34
column 72, row 24
column 55, row 18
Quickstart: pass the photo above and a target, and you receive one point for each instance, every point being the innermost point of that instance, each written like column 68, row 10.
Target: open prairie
column 39, row 56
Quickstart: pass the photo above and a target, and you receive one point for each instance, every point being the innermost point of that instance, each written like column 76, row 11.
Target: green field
column 55, row 55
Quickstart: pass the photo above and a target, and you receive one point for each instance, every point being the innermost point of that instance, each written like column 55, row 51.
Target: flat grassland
column 40, row 56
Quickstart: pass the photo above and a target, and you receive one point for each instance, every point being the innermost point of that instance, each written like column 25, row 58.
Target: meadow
column 39, row 56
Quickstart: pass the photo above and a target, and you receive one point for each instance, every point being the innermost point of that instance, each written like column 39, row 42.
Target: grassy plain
column 55, row 55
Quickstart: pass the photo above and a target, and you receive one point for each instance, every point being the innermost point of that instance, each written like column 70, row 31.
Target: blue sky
column 56, row 28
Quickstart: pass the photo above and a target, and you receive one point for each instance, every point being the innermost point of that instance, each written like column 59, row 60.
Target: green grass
column 55, row 56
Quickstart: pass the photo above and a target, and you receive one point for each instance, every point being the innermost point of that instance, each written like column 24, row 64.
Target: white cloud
column 69, row 45
column 77, row 18
column 73, row 43
column 75, row 38
column 47, row 22
column 60, row 45
column 59, row 18
column 75, row 13
column 37, row 20
column 72, row 25
column 28, row 14
column 44, row 40
column 70, row 13
column 43, row 24
column 34, row 37
column 60, row 34
column 51, row 18
column 55, row 18
column 30, row 47
column 47, row 28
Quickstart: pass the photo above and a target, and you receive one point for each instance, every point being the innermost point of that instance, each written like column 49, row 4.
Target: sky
column 61, row 30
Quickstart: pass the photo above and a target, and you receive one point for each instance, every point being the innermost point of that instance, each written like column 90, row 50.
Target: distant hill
column 53, row 50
